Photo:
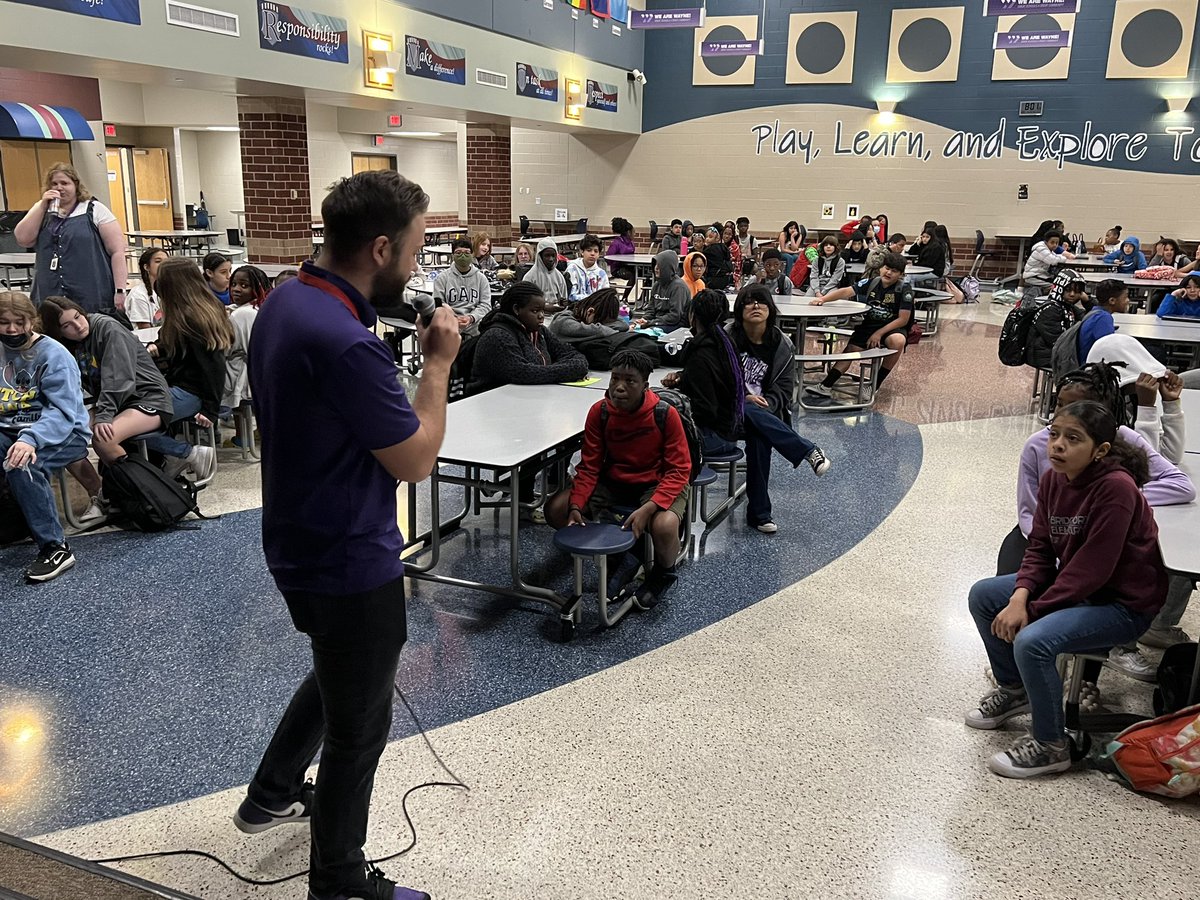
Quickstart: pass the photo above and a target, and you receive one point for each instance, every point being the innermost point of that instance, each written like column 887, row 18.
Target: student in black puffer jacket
column 1054, row 316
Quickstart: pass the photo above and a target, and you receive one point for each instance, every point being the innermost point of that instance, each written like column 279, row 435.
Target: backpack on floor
column 1175, row 678
column 1161, row 756
column 143, row 494
column 915, row 333
column 1014, row 333
column 969, row 285
column 683, row 406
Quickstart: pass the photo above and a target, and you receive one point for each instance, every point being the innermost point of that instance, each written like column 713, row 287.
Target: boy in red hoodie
column 1092, row 577
column 637, row 458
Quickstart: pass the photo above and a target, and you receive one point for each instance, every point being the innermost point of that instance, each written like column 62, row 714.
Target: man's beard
column 387, row 290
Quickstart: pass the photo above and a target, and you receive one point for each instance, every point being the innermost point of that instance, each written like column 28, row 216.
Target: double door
column 139, row 186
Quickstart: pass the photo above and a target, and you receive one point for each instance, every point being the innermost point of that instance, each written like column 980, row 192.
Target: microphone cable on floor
column 456, row 783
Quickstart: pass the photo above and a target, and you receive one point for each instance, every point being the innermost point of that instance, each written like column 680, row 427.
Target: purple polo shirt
column 325, row 394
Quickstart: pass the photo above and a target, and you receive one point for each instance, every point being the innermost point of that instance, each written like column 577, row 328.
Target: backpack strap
column 660, row 416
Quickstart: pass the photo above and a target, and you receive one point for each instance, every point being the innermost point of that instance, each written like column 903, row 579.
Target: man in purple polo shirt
column 338, row 434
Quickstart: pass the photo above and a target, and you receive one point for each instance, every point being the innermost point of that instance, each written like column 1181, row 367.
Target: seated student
column 885, row 324
column 673, row 239
column 248, row 288
column 930, row 252
column 596, row 315
column 772, row 275
column 586, row 273
column 897, row 243
column 690, row 236
column 1184, row 301
column 622, row 244
column 464, row 288
column 191, row 348
column 43, row 428
column 1054, row 316
column 829, row 270
column 1112, row 296
column 767, row 356
column 1042, row 261
column 719, row 274
column 217, row 271
column 515, row 347
column 863, row 226
column 1145, row 378
column 694, row 268
column 880, row 226
column 712, row 374
column 1099, row 582
column 1166, row 484
column 791, row 244
column 749, row 247
column 629, row 460
column 1170, row 254
column 481, row 250
column 130, row 396
column 141, row 304
column 523, row 259
column 729, row 239
column 1111, row 241
column 284, row 275
column 856, row 251
column 669, row 296
column 1128, row 256
column 544, row 275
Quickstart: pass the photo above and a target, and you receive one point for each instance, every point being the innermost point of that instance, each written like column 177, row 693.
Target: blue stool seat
column 723, row 458
column 593, row 540
column 704, row 477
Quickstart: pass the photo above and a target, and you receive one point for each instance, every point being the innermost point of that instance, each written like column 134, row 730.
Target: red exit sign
column 379, row 140
column 395, row 121
column 110, row 130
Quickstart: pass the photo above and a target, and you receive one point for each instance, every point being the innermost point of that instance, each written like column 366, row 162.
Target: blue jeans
column 1031, row 660
column 789, row 262
column 31, row 486
column 186, row 405
column 764, row 432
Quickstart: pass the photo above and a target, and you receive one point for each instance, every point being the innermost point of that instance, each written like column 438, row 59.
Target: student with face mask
column 464, row 288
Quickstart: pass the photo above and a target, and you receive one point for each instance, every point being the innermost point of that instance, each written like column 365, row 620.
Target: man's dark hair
column 369, row 205
column 678, row 222
column 590, row 242
column 742, row 220
column 632, row 359
column 1109, row 289
column 772, row 254
column 892, row 260
column 460, row 244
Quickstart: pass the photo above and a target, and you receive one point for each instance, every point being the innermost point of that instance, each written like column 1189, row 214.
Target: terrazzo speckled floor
column 809, row 745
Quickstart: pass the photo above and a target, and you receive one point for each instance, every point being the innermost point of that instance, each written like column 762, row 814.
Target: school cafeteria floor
column 789, row 725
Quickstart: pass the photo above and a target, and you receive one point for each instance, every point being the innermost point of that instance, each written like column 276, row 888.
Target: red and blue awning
column 36, row 121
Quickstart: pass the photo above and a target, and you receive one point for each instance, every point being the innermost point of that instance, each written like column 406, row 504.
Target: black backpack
column 599, row 351
column 1064, row 357
column 1014, row 334
column 683, row 406
column 143, row 494
column 463, row 367
column 1175, row 679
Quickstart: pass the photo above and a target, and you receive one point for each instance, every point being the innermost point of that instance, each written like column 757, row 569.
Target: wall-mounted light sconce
column 1178, row 104
column 380, row 61
column 887, row 111
column 574, row 99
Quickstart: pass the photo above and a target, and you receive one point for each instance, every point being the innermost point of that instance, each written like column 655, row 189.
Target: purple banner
column 1028, row 7
column 666, row 18
column 729, row 48
column 1016, row 40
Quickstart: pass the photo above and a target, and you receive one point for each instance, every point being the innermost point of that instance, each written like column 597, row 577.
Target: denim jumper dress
column 72, row 262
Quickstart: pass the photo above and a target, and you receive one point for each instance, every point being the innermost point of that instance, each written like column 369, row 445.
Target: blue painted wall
column 529, row 20
column 974, row 102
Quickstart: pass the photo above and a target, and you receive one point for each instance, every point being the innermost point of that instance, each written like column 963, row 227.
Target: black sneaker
column 254, row 819
column 377, row 888
column 650, row 591
column 819, row 462
column 52, row 561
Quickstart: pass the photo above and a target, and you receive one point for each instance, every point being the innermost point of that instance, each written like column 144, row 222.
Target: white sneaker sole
column 996, row 721
column 50, row 576
column 1001, row 765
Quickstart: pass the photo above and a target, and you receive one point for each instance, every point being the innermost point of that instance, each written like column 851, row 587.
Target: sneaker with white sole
column 1165, row 638
column 202, row 462
column 998, row 707
column 819, row 461
column 254, row 819
column 97, row 509
column 1029, row 757
column 52, row 560
column 1132, row 663
column 767, row 527
column 818, row 390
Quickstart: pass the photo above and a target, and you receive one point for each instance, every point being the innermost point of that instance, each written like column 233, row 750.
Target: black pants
column 346, row 704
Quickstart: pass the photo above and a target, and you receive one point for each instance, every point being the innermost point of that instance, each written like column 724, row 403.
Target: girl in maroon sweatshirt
column 1092, row 577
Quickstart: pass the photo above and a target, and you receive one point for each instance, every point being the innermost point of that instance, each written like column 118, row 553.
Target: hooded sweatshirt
column 670, row 241
column 550, row 281
column 1050, row 319
column 670, row 295
column 508, row 354
column 1178, row 306
column 1127, row 263
column 827, row 274
column 695, row 285
column 585, row 281
column 41, row 401
column 467, row 293
column 566, row 326
column 118, row 371
column 1094, row 540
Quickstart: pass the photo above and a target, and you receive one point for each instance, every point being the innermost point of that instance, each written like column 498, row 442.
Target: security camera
column 637, row 76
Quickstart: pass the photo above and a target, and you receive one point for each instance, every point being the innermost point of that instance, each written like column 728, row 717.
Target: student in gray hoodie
column 544, row 273
column 464, row 288
column 596, row 315
column 670, row 295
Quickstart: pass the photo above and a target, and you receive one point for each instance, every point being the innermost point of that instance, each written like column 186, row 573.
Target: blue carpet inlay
column 156, row 670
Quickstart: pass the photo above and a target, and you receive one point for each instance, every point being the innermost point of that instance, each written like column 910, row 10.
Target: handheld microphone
column 425, row 307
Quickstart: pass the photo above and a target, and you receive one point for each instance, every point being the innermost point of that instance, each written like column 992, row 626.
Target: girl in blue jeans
column 1092, row 576
column 768, row 370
